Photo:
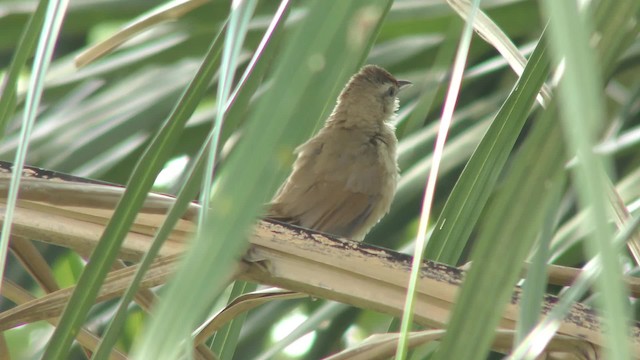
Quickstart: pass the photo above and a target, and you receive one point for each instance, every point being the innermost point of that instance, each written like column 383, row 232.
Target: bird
column 344, row 178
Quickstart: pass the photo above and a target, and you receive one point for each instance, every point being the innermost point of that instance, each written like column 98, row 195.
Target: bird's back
column 342, row 182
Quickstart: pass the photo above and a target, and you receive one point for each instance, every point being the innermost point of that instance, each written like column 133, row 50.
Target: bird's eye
column 391, row 91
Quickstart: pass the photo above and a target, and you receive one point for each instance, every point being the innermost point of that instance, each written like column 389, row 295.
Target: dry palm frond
column 72, row 214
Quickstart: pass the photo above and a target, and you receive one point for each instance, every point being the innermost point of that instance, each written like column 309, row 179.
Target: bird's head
column 370, row 96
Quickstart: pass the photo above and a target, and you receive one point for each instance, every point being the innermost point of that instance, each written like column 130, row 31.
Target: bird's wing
column 327, row 207
column 336, row 187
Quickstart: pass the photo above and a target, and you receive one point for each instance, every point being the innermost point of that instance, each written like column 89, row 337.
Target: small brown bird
column 344, row 178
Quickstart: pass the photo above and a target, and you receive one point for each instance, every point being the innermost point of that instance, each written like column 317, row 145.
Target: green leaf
column 249, row 175
column 583, row 118
column 506, row 237
column 139, row 185
column 476, row 183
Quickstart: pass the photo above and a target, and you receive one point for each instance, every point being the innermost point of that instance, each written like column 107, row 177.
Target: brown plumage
column 344, row 178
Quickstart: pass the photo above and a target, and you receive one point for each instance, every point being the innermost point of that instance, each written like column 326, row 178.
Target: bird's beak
column 403, row 84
